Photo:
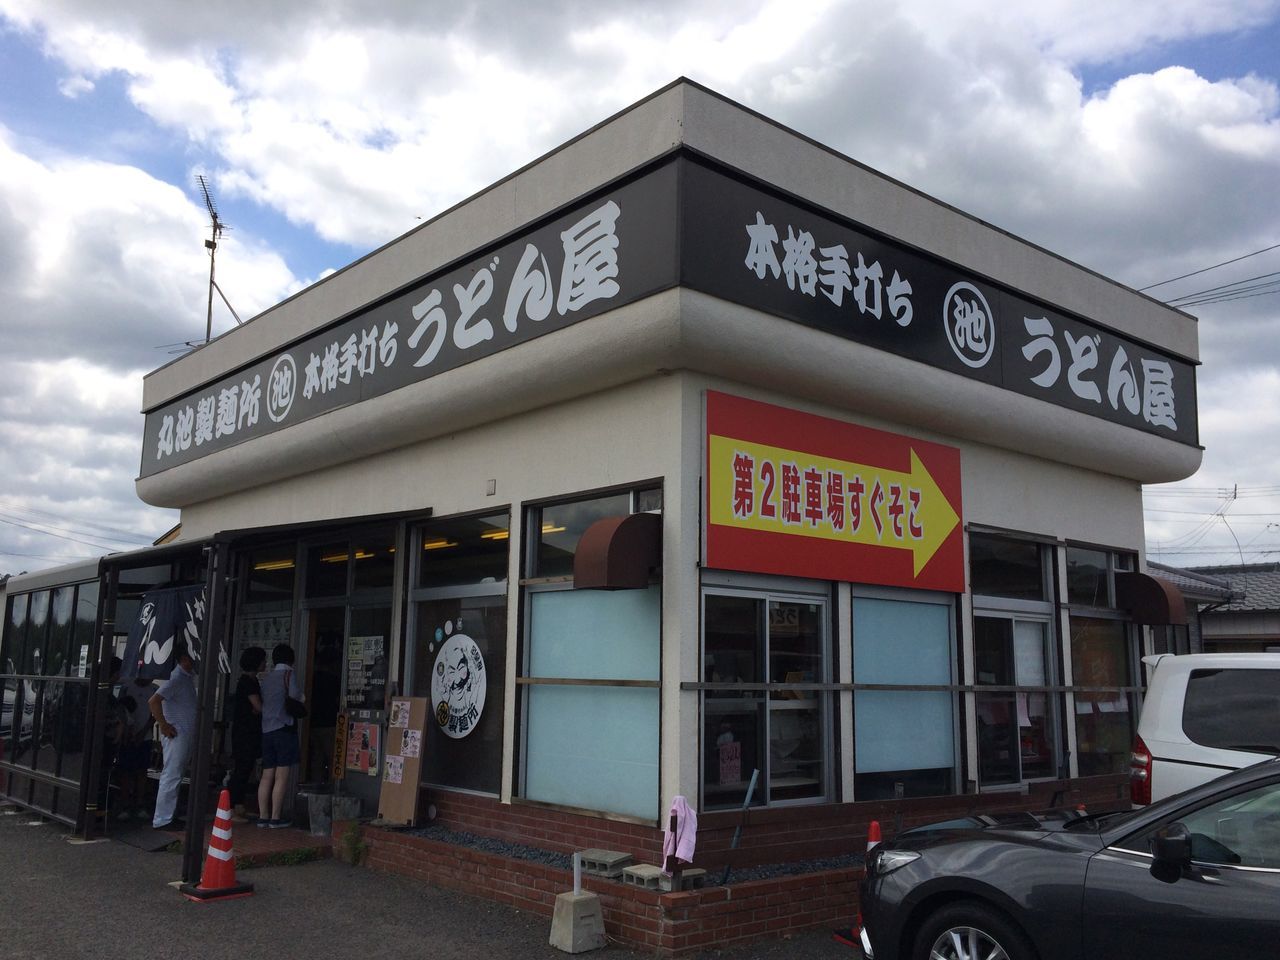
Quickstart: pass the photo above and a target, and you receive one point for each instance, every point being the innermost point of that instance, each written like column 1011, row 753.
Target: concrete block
column 577, row 925
column 604, row 863
column 691, row 878
column 643, row 875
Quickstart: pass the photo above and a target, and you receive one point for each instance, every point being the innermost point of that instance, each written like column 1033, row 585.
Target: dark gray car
column 1195, row 875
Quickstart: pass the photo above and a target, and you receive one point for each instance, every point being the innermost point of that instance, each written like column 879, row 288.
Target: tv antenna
column 216, row 228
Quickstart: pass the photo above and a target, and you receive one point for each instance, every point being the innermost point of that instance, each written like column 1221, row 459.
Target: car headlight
column 887, row 861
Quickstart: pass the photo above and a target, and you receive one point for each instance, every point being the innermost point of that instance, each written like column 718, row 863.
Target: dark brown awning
column 1150, row 600
column 617, row 553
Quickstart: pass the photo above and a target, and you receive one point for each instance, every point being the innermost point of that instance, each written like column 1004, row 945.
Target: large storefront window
column 44, row 682
column 904, row 740
column 1100, row 657
column 1103, row 655
column 589, row 681
column 756, row 642
column 1016, row 729
column 1018, row 726
column 457, row 651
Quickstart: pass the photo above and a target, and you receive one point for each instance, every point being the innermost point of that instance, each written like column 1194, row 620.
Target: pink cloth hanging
column 683, row 841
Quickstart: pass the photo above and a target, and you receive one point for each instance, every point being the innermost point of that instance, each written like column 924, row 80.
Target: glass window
column 15, row 633
column 55, row 661
column 1014, row 728
column 327, row 569
column 1088, row 579
column 271, row 575
column 460, row 658
column 466, row 550
column 1242, row 830
column 560, row 526
column 594, row 746
column 781, row 733
column 457, row 651
column 373, row 554
column 1101, row 657
column 1001, row 567
column 1233, row 709
column 86, row 625
column 909, row 643
column 37, row 632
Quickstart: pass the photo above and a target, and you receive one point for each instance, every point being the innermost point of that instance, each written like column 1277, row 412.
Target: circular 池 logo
column 281, row 386
column 458, row 685
column 970, row 326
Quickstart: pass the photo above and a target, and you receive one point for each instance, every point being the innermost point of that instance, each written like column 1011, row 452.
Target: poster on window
column 799, row 495
column 362, row 748
column 366, row 673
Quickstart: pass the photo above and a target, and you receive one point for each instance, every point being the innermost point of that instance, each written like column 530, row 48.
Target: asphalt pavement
column 102, row 900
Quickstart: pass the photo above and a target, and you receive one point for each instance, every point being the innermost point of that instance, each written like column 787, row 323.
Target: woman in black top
column 246, row 727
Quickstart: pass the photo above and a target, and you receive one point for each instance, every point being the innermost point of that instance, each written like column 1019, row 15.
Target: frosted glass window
column 903, row 739
column 594, row 747
column 901, row 642
column 903, row 730
column 596, row 634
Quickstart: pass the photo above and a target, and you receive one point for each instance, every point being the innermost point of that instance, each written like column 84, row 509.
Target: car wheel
column 968, row 930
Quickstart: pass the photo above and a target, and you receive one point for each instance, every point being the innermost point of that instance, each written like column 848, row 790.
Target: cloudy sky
column 1141, row 139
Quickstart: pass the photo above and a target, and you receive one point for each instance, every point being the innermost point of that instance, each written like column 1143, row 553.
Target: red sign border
column 756, row 551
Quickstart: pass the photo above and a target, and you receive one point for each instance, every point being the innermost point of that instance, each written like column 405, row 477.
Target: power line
column 1193, row 273
column 1222, row 287
column 59, row 536
column 14, row 506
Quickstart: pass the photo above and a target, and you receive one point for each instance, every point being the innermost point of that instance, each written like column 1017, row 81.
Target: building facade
column 693, row 459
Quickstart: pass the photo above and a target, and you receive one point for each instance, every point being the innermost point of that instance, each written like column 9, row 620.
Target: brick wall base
column 670, row 924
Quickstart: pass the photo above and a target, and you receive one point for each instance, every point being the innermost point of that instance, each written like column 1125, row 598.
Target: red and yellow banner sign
column 799, row 495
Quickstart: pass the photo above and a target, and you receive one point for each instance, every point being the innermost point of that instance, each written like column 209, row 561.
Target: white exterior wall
column 617, row 399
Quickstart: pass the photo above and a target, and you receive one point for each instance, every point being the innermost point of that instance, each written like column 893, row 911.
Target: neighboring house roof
column 1255, row 586
column 1195, row 586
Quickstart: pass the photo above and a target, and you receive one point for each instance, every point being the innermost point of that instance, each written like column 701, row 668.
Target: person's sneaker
column 123, row 816
column 171, row 825
column 280, row 824
column 262, row 822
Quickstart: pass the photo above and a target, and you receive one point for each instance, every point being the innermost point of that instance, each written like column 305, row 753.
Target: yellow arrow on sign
column 926, row 519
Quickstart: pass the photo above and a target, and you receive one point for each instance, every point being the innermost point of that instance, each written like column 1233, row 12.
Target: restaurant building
column 695, row 458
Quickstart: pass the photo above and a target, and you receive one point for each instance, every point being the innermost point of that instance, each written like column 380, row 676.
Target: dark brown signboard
column 735, row 239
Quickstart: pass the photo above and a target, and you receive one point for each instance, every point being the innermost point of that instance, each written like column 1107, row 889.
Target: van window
column 1233, row 709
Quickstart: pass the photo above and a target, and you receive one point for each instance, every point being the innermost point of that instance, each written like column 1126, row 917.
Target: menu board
column 402, row 759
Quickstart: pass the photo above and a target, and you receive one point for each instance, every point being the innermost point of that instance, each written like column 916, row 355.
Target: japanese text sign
column 608, row 250
column 814, row 268
column 800, row 495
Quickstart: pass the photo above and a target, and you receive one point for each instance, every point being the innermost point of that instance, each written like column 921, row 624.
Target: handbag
column 292, row 705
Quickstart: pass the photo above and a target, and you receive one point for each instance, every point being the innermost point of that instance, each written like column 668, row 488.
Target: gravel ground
column 564, row 861
column 109, row 900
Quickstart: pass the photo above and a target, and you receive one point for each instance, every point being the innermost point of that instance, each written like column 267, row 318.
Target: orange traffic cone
column 873, row 835
column 218, row 882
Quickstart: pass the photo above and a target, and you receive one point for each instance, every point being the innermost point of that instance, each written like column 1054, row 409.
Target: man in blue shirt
column 174, row 708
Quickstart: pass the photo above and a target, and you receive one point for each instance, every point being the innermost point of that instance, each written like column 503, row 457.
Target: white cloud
column 351, row 119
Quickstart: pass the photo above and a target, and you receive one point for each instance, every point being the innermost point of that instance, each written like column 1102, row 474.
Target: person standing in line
column 135, row 748
column 279, row 739
column 173, row 707
column 246, row 728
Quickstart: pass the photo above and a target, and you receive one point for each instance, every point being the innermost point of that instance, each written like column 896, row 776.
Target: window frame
column 768, row 590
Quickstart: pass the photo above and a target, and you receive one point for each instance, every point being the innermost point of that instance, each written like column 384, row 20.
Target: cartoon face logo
column 458, row 684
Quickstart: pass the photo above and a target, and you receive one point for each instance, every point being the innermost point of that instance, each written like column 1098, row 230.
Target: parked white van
column 1204, row 714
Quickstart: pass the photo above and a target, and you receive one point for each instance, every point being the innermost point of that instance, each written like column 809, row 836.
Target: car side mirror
column 1170, row 852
